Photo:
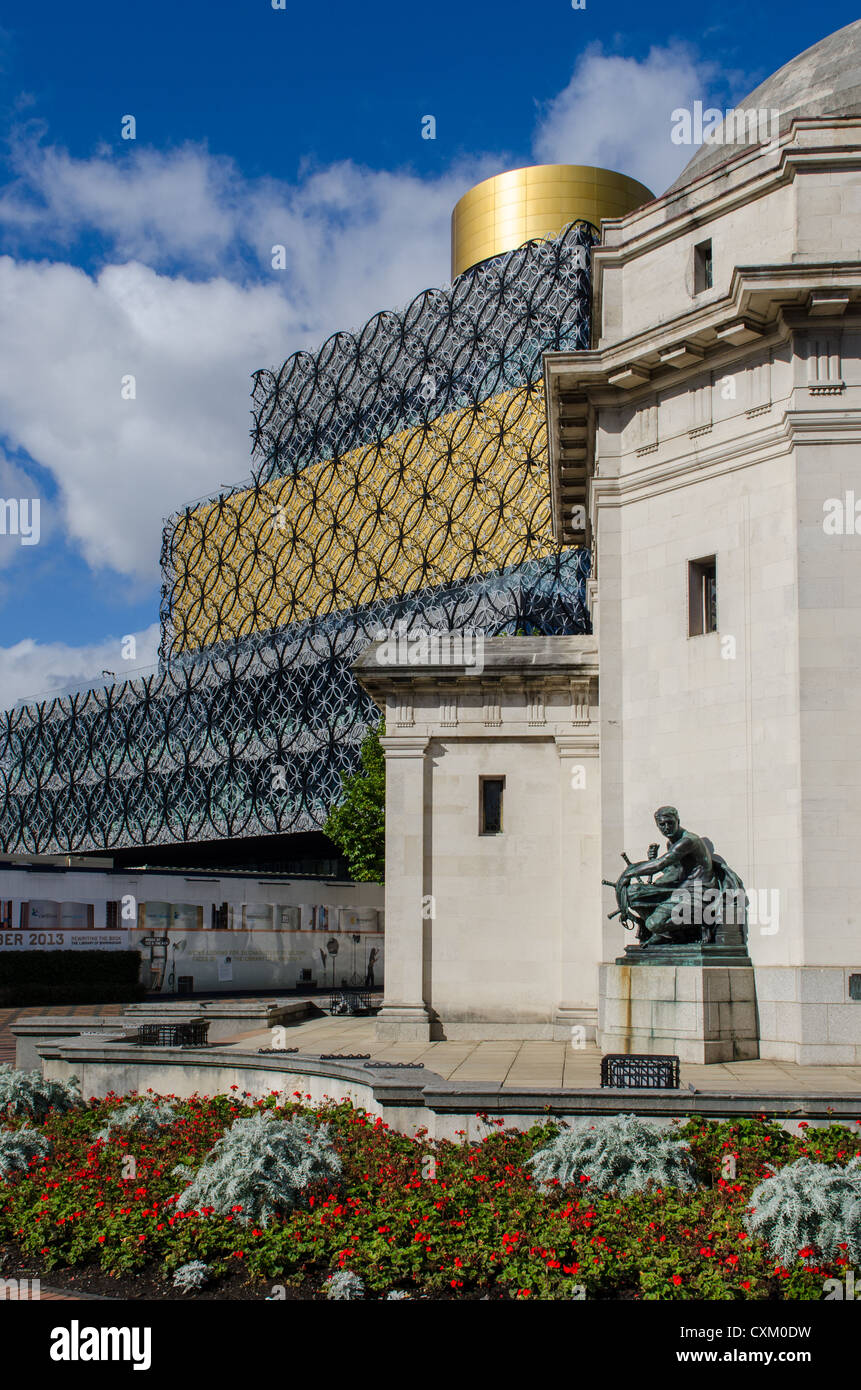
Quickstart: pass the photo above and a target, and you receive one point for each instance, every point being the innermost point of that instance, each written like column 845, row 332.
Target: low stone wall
column 406, row 1098
column 31, row 1031
column 226, row 1020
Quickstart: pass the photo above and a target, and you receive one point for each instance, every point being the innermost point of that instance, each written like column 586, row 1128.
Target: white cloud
column 383, row 234
column 356, row 242
column 142, row 200
column 66, row 343
column 189, row 304
column 616, row 112
column 30, row 670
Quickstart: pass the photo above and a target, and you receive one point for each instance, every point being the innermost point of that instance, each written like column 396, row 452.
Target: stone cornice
column 665, row 475
column 747, row 174
column 397, row 683
column 418, row 701
column 404, row 745
column 386, row 665
column 764, row 306
column 759, row 297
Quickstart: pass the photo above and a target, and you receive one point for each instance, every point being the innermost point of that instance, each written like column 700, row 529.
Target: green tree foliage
column 358, row 825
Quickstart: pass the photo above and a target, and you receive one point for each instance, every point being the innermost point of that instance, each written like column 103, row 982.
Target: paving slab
column 511, row 1063
column 533, row 1062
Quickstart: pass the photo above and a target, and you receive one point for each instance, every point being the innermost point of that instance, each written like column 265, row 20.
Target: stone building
column 621, row 452
column 709, row 442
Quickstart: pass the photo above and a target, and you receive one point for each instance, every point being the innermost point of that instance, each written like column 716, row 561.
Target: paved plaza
column 511, row 1063
column 552, row 1064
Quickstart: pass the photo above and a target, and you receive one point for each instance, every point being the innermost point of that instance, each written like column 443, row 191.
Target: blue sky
column 258, row 126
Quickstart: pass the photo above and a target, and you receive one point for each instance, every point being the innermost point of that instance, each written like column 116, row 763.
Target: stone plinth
column 403, row 1024
column 685, row 1001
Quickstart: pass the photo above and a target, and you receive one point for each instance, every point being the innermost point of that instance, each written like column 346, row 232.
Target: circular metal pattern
column 406, row 469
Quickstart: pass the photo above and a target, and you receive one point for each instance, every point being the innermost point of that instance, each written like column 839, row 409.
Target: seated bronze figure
column 688, row 894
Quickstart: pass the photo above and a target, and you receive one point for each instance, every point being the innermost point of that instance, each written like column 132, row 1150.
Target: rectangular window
column 490, row 791
column 112, row 916
column 702, row 596
column 703, row 267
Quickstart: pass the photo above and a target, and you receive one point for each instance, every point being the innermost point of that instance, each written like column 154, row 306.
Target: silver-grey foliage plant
column 192, row 1276
column 263, row 1164
column 141, row 1116
column 30, row 1093
column 621, row 1154
column 345, row 1284
column 19, row 1146
column 808, row 1204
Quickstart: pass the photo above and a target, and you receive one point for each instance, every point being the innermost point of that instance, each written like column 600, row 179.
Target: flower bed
column 432, row 1219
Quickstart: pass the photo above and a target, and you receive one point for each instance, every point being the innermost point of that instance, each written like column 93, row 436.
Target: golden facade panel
column 461, row 495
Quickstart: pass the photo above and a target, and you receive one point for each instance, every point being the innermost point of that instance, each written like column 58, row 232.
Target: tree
column 358, row 825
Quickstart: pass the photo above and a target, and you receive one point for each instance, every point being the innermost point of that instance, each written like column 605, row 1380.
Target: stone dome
column 824, row 80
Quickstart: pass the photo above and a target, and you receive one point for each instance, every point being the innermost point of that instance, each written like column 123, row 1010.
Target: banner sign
column 61, row 940
column 54, row 926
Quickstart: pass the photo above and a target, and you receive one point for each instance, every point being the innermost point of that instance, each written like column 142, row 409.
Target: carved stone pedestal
column 695, row 1002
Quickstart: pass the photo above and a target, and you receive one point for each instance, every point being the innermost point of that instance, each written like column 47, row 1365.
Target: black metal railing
column 638, row 1071
column 350, row 1001
column 173, row 1034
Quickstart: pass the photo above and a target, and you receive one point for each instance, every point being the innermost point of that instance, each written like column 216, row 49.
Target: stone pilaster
column 404, row 1015
column 579, row 942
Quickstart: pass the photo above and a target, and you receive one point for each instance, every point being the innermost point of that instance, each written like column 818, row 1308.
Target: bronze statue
column 688, row 894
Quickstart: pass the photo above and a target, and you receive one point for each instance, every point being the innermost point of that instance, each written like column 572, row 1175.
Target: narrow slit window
column 703, row 274
column 490, row 791
column 702, row 596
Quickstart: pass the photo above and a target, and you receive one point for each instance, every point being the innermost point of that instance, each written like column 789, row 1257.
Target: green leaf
column 358, row 824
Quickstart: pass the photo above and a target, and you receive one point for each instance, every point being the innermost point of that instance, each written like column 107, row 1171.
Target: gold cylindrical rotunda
column 503, row 212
